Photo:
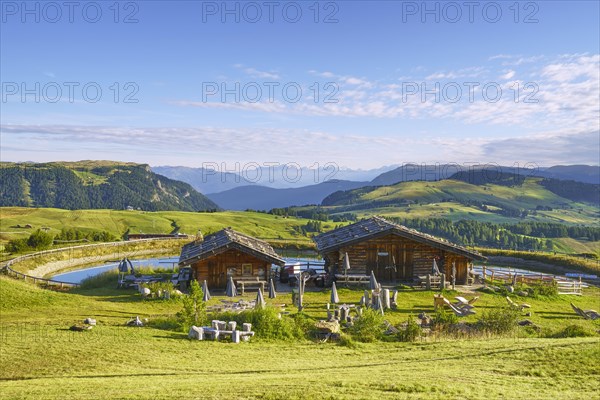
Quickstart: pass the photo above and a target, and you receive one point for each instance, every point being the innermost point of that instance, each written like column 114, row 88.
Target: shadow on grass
column 171, row 335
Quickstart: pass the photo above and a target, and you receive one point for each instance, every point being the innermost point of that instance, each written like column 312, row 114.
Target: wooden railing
column 565, row 285
column 6, row 268
column 43, row 281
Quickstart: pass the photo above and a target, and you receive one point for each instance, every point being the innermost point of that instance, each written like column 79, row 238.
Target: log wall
column 215, row 269
column 394, row 258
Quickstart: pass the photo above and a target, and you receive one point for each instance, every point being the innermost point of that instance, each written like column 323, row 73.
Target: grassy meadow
column 269, row 227
column 42, row 359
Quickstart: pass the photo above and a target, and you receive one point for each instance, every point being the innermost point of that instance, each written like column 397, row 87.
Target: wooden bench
column 243, row 283
column 352, row 279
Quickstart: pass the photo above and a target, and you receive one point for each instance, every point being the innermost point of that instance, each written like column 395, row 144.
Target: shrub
column 194, row 309
column 368, row 327
column 443, row 318
column 347, row 341
column 572, row 331
column 17, row 246
column 40, row 240
column 412, row 331
column 537, row 290
column 498, row 320
column 268, row 323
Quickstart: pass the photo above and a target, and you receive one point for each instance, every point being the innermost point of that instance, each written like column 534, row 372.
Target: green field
column 41, row 359
column 265, row 226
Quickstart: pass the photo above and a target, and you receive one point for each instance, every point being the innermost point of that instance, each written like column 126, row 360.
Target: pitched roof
column 224, row 240
column 378, row 226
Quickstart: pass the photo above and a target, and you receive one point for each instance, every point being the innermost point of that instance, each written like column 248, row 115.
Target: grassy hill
column 456, row 199
column 95, row 185
column 273, row 228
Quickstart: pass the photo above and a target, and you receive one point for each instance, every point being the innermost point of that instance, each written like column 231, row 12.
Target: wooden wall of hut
column 394, row 258
column 240, row 265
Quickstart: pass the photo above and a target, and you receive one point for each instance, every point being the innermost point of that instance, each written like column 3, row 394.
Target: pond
column 165, row 263
column 171, row 262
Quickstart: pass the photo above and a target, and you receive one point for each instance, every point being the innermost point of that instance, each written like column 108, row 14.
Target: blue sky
column 501, row 82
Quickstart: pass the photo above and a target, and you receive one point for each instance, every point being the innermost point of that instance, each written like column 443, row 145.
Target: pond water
column 77, row 276
column 171, row 262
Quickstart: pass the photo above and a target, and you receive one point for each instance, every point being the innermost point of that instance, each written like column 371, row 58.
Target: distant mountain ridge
column 265, row 198
column 223, row 177
column 243, row 194
column 96, row 185
column 435, row 172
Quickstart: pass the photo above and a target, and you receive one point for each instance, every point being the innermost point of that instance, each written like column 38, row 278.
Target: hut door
column 405, row 262
column 384, row 262
column 214, row 274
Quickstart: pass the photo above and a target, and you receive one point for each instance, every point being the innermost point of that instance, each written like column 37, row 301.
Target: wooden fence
column 565, row 285
column 54, row 283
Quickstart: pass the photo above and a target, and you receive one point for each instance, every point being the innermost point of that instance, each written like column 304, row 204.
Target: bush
column 572, row 331
column 412, row 331
column 368, row 327
column 498, row 320
column 40, row 240
column 346, row 341
column 543, row 290
column 443, row 318
column 268, row 323
column 194, row 309
column 17, row 246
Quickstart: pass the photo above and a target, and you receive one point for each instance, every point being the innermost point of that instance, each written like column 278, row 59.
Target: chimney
column 199, row 237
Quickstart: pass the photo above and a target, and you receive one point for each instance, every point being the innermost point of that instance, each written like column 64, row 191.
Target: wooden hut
column 229, row 253
column 393, row 252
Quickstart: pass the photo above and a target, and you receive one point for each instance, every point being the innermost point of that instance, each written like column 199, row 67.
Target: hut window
column 247, row 269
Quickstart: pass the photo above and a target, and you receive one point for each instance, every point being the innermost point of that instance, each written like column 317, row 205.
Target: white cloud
column 508, row 75
column 255, row 73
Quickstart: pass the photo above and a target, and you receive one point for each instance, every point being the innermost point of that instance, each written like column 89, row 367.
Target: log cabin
column 393, row 252
column 229, row 253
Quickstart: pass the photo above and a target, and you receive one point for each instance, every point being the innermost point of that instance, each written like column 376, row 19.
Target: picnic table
column 243, row 283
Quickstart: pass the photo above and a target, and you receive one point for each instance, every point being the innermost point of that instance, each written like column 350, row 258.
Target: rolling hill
column 501, row 201
column 95, row 185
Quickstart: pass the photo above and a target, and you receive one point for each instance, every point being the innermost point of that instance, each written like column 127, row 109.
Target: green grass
column 41, row 359
column 432, row 197
column 265, row 226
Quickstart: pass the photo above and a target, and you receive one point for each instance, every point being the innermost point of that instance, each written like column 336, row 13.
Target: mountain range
column 238, row 193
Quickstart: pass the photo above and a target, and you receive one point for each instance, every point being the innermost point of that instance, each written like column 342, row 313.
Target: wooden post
column 428, row 282
column 246, row 327
column 443, row 282
column 386, row 298
column 343, row 314
column 483, row 272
